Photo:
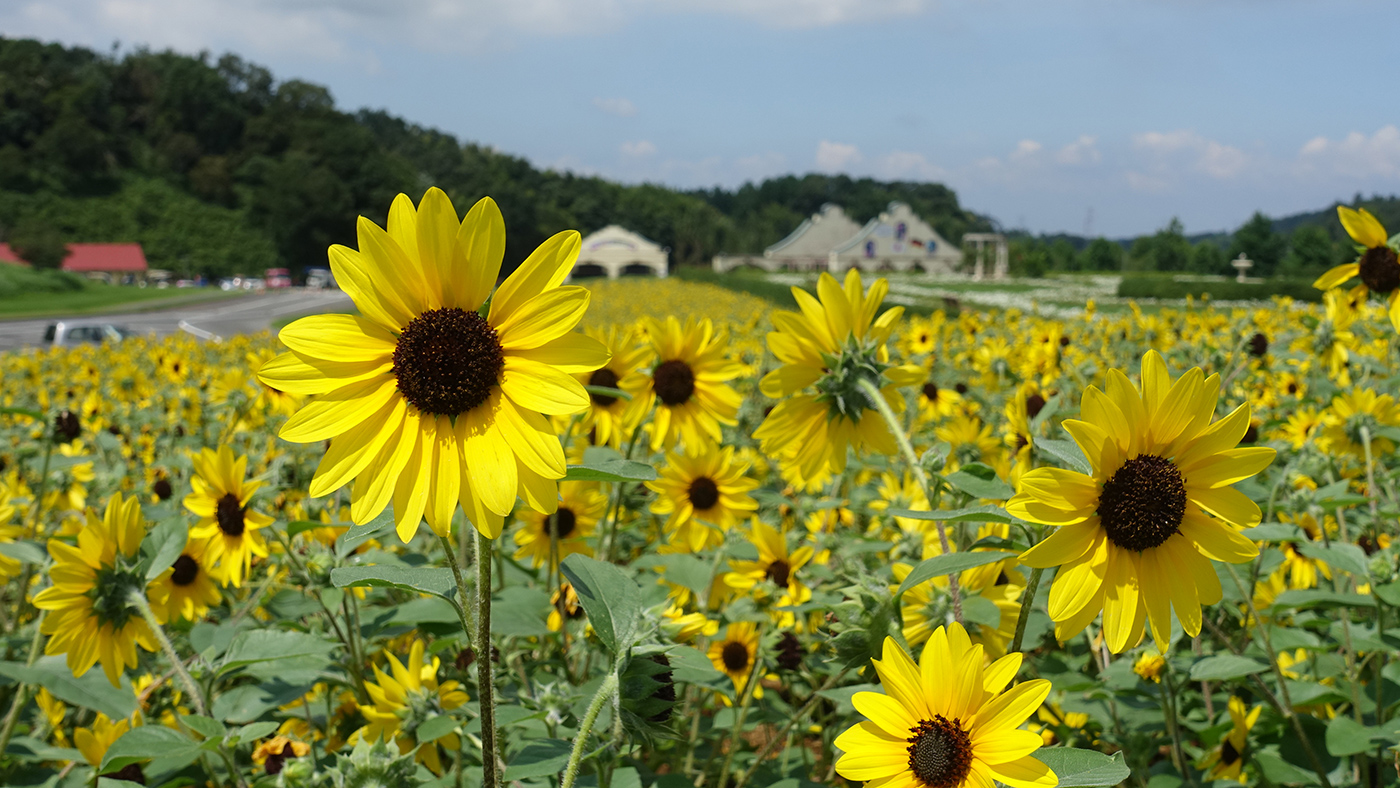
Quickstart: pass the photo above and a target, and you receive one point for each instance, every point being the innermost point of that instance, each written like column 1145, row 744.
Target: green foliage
column 1103, row 255
column 17, row 280
column 1257, row 240
column 38, row 243
column 1220, row 290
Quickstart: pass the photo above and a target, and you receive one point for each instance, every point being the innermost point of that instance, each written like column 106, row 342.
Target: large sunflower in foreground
column 430, row 398
column 826, row 350
column 945, row 722
column 90, row 615
column 1135, row 538
column 688, row 384
column 1378, row 267
column 220, row 498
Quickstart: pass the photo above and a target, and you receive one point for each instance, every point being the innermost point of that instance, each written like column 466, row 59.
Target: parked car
column 75, row 332
column 254, row 283
column 320, row 279
column 278, row 278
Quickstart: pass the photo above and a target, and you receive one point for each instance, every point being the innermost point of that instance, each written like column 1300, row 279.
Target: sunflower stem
column 1166, row 692
column 750, row 687
column 137, row 598
column 907, row 449
column 1025, row 614
column 461, row 605
column 783, row 732
column 22, row 692
column 1286, row 706
column 484, row 684
column 605, row 691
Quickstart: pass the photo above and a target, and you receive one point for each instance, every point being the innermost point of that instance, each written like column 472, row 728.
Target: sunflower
column 1135, row 538
column 1349, row 412
column 1378, row 267
column 90, row 614
column 971, row 441
column 220, row 498
column 408, row 698
column 272, row 754
column 827, row 350
column 271, row 400
column 688, row 385
column 945, row 722
column 427, row 401
column 93, row 742
column 580, row 506
column 896, row 492
column 608, row 417
column 1149, row 666
column 564, row 598
column 186, row 589
column 777, row 565
column 733, row 655
column 938, row 402
column 1225, row 761
column 702, row 489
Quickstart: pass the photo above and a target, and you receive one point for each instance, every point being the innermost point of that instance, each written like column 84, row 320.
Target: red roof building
column 93, row 258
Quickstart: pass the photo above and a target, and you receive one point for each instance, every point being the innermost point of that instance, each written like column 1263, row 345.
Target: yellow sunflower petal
column 1227, row 503
column 338, row 411
column 546, row 317
column 900, row 678
column 1065, row 544
column 339, row 338
column 572, row 353
column 885, row 712
column 1001, row 746
column 1363, row 228
column 1230, row 466
column 1011, row 708
column 869, row 754
column 1337, row 276
column 544, row 269
column 1218, row 541
column 1025, row 773
column 482, row 237
column 542, row 388
column 1078, row 581
column 439, row 253
column 445, row 479
column 1122, row 596
column 290, row 373
column 490, row 462
column 1063, row 489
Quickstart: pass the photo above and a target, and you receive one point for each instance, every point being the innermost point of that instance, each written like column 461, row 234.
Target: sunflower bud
column 66, row 427
column 647, row 688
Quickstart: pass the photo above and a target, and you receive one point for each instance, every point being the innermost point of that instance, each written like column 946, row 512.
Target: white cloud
column 1170, row 148
column 639, row 149
column 836, row 156
column 906, row 165
column 325, row 29
column 1082, row 151
column 620, row 107
column 1025, row 149
column 1354, row 156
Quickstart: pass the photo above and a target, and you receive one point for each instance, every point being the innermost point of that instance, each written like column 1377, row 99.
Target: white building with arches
column 807, row 248
column 614, row 251
column 896, row 240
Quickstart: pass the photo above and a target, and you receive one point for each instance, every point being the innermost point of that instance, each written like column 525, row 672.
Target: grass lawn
column 106, row 299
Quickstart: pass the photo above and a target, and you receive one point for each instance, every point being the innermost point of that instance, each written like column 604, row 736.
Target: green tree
column 1257, row 240
column 1310, row 250
column 1208, row 258
column 1103, row 255
column 1063, row 256
column 38, row 243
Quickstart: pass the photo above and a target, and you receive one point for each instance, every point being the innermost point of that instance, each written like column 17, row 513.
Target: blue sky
column 1054, row 116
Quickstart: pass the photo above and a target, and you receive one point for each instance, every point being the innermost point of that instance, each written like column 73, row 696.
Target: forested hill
column 216, row 167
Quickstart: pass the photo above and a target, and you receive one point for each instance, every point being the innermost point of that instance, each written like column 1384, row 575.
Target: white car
column 73, row 332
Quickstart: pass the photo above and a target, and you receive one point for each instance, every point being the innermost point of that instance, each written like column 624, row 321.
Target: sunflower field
column 516, row 532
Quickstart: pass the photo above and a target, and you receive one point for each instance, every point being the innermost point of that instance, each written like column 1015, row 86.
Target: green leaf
column 164, row 544
column 971, row 514
column 25, row 552
column 33, row 414
column 301, row 526
column 435, row 728
column 618, row 470
column 1388, row 593
column 434, row 580
column 690, row 666
column 981, row 610
column 609, row 597
column 1346, row 736
column 148, row 742
column 1306, row 598
column 683, row 569
column 605, row 391
column 841, row 696
column 254, row 731
column 1274, row 532
column 980, row 481
column 1067, row 452
column 1346, row 557
column 378, row 528
column 1281, row 772
column 1083, row 767
column 540, row 758
column 1223, row 667
column 207, row 727
column 265, row 645
column 951, row 563
column 91, row 691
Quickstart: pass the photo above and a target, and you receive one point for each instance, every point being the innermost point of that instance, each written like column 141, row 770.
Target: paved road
column 244, row 315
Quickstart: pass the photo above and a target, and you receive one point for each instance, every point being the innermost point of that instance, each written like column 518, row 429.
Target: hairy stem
column 137, row 598
column 605, row 691
column 485, row 687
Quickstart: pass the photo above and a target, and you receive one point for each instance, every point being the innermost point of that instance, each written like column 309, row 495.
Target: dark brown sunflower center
column 562, row 522
column 1142, row 504
column 704, row 493
column 1258, row 345
column 186, row 569
column 1380, row 269
column 779, row 571
column 931, row 391
column 940, row 753
column 735, row 656
column 447, row 361
column 674, row 382
column 607, row 379
column 162, row 489
column 229, row 513
column 1034, row 404
column 1228, row 753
